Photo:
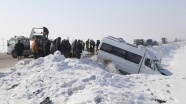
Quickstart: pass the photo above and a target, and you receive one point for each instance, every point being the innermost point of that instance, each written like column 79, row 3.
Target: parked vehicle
column 164, row 40
column 138, row 42
column 155, row 43
column 11, row 44
column 129, row 59
column 176, row 40
column 35, row 33
column 149, row 42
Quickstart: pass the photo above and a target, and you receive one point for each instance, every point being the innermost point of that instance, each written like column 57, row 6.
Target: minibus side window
column 147, row 62
column 121, row 53
column 118, row 52
column 133, row 57
column 106, row 47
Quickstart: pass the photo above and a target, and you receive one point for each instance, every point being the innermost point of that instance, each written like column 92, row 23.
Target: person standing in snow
column 92, row 46
column 83, row 45
column 74, row 45
column 58, row 43
column 19, row 47
column 66, row 48
column 78, row 49
column 97, row 45
column 45, row 32
column 88, row 45
column 35, row 48
column 53, row 47
column 47, row 47
column 62, row 47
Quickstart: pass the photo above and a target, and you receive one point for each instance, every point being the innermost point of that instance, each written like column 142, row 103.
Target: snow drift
column 85, row 81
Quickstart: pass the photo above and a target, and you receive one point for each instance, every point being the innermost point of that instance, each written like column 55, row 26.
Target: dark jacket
column 79, row 47
column 19, row 47
column 58, row 43
column 45, row 30
column 47, row 48
column 97, row 44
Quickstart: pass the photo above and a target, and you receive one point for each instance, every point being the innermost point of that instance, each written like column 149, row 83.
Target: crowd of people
column 43, row 47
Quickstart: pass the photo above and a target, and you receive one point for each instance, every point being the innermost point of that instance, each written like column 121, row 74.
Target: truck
column 138, row 42
column 164, row 40
column 128, row 58
column 35, row 33
column 149, row 42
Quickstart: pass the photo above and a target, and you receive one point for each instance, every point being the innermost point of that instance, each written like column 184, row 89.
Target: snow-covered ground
column 87, row 81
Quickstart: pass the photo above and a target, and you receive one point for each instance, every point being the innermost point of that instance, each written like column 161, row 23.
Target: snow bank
column 70, row 81
column 166, row 52
column 84, row 81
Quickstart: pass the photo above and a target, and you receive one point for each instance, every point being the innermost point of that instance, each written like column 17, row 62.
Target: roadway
column 7, row 61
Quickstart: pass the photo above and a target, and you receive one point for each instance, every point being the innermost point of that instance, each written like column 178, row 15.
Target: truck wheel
column 26, row 56
column 14, row 54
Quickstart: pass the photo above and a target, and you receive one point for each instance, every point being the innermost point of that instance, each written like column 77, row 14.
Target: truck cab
column 12, row 42
column 138, row 42
column 149, row 42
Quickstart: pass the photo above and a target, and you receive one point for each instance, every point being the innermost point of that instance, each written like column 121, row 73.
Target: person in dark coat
column 92, row 46
column 58, row 43
column 79, row 49
column 40, row 43
column 97, row 45
column 45, row 32
column 62, row 46
column 19, row 47
column 47, row 47
column 69, row 49
column 66, row 48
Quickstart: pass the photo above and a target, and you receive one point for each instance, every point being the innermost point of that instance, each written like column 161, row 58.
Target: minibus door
column 133, row 61
column 147, row 66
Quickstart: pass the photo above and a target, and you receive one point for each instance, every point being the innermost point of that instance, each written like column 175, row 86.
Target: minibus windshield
column 158, row 64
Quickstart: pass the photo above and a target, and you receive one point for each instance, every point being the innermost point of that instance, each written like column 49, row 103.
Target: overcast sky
column 95, row 19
